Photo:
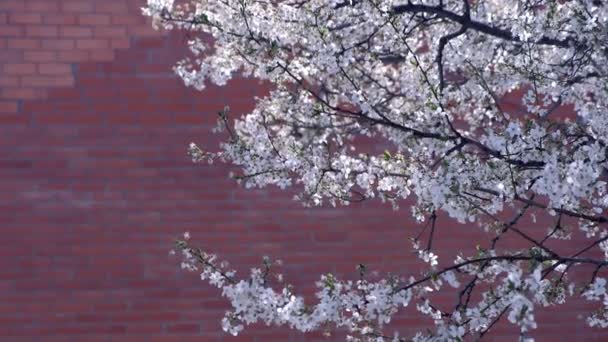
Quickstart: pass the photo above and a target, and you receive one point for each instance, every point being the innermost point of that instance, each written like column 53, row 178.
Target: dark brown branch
column 511, row 258
column 597, row 219
column 432, row 233
column 443, row 41
column 478, row 26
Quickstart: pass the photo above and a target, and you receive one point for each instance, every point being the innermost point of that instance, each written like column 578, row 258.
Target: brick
column 42, row 5
column 144, row 31
column 40, row 56
column 126, row 19
column 110, row 32
column 9, row 81
column 111, row 7
column 93, row 119
column 25, row 44
column 47, row 81
column 108, row 107
column 13, row 119
column 120, row 118
column 94, row 19
column 150, row 68
column 86, row 68
column 58, row 44
column 120, row 68
column 12, row 6
column 8, row 107
column 150, row 329
column 45, row 31
column 184, row 328
column 20, row 93
column 54, row 69
column 102, row 56
column 60, row 19
column 20, row 69
column 150, row 118
column 25, row 18
column 76, row 32
column 120, row 43
column 11, row 56
column 92, row 44
column 72, row 56
column 70, row 94
column 76, row 107
column 77, row 6
column 10, row 31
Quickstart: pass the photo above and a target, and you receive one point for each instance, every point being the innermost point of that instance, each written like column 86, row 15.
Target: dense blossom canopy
column 424, row 78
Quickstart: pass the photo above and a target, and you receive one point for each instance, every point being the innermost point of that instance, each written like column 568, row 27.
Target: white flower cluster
column 364, row 307
column 597, row 292
column 357, row 74
column 426, row 82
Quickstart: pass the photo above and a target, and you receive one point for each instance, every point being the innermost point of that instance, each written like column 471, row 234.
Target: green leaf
column 323, row 31
column 330, row 282
column 387, row 155
column 274, row 47
column 203, row 19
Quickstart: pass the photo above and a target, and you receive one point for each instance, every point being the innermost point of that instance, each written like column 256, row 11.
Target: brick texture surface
column 95, row 184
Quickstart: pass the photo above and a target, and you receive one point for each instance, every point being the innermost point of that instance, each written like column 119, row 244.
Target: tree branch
column 465, row 21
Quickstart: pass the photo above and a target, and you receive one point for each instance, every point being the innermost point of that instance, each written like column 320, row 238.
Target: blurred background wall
column 95, row 184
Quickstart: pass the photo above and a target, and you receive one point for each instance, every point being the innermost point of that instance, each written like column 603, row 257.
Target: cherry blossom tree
column 426, row 78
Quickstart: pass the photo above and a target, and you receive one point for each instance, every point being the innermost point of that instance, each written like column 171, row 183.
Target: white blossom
column 428, row 83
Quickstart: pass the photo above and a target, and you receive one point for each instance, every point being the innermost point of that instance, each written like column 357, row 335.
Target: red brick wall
column 95, row 184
